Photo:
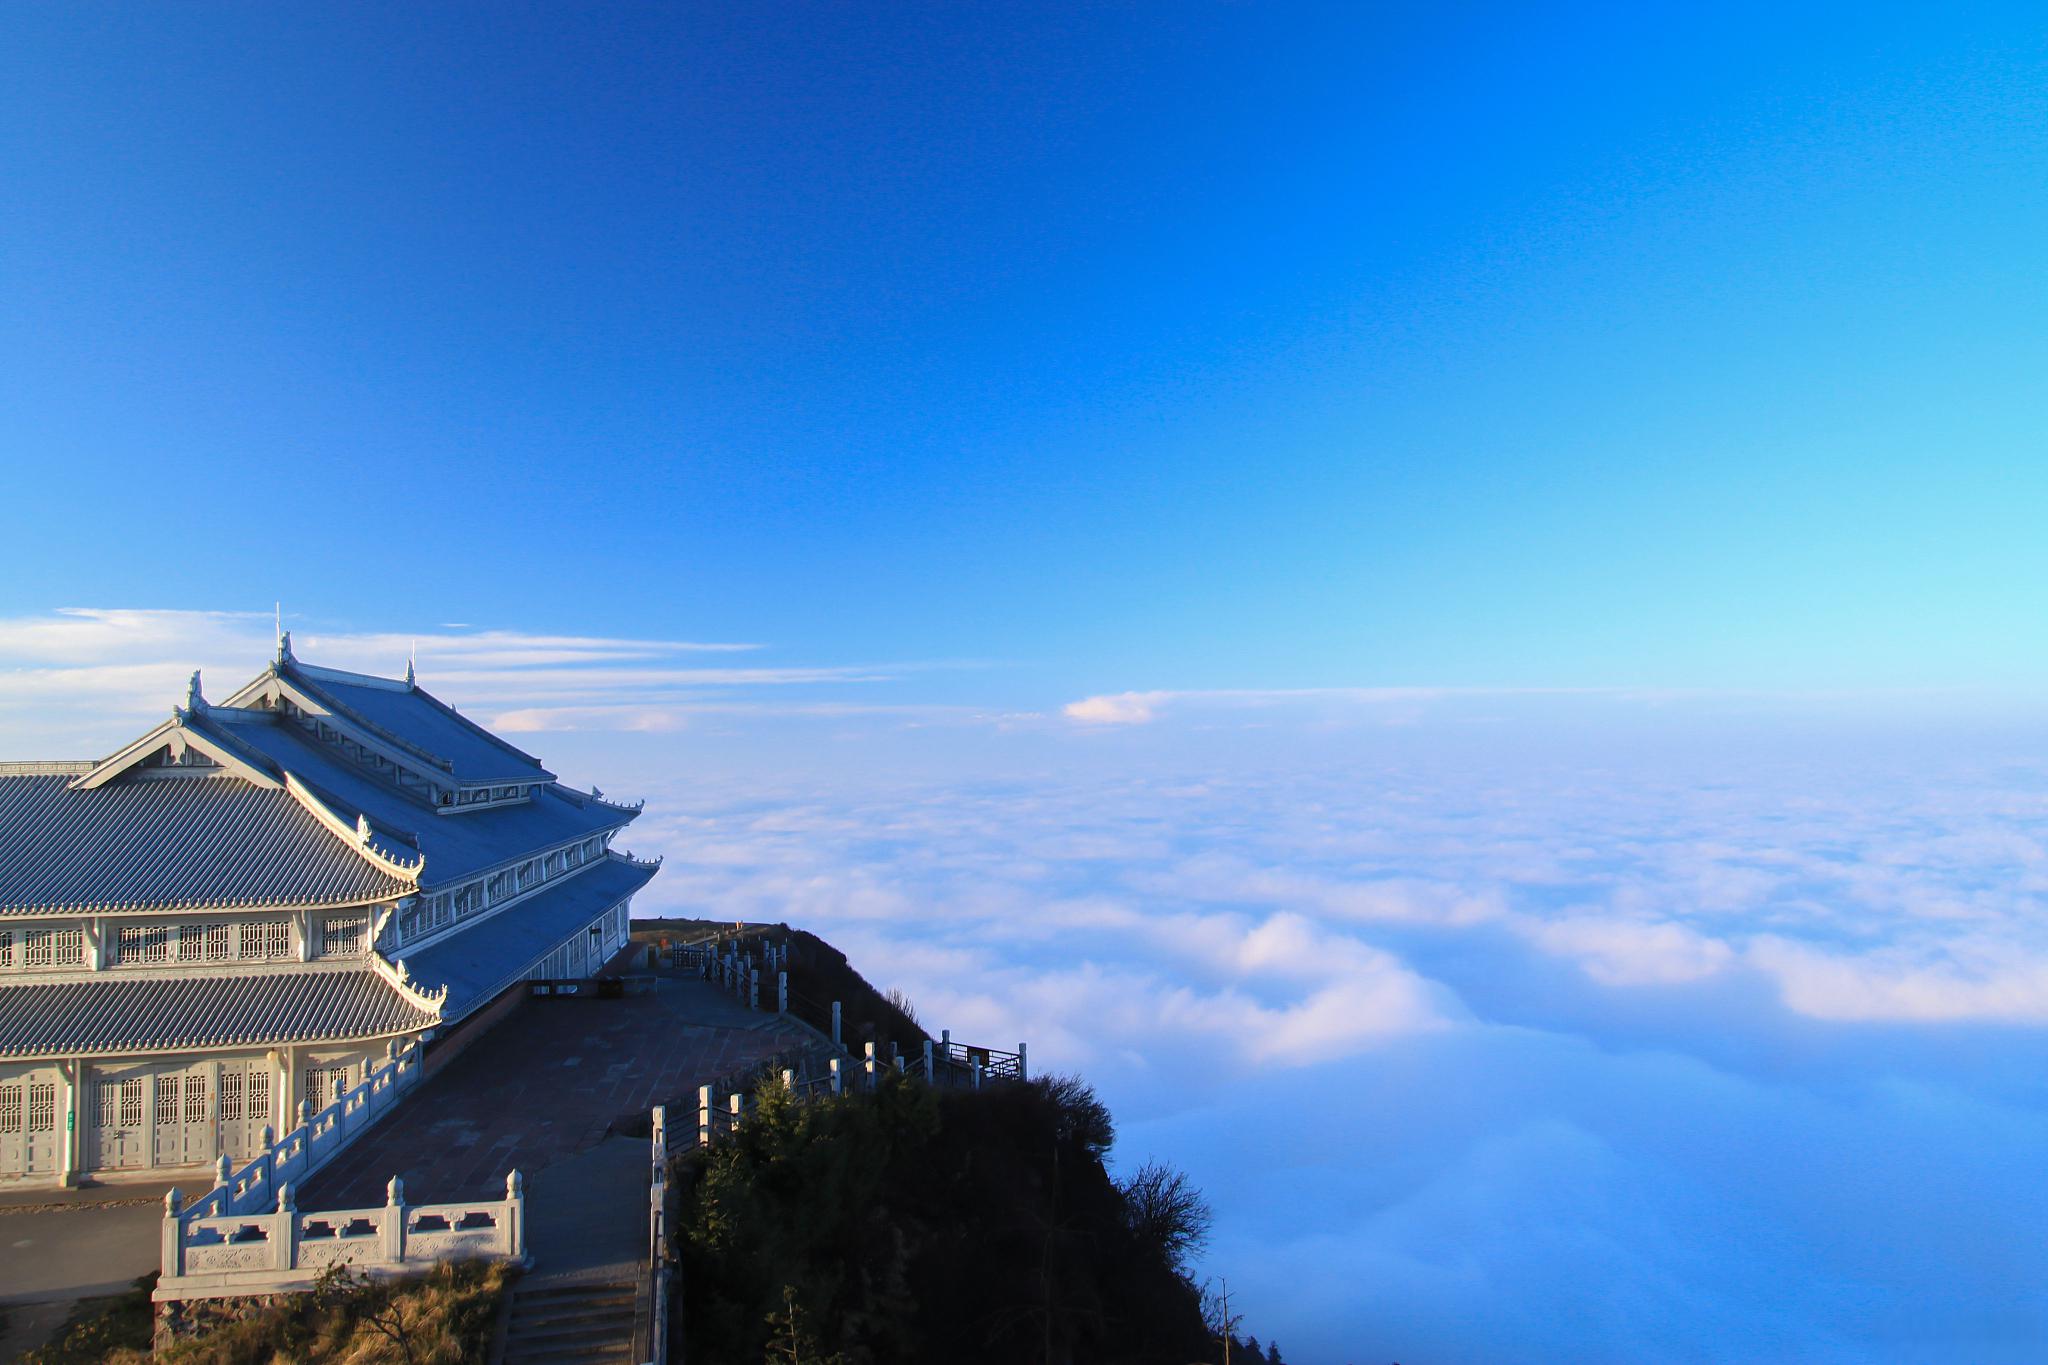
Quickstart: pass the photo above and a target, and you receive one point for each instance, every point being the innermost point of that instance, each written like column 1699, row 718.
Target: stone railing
column 287, row 1250
column 306, row 1148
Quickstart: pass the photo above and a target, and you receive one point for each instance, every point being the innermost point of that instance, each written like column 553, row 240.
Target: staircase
column 557, row 1322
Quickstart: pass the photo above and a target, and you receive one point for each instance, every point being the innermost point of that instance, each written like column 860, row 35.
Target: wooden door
column 245, row 1107
column 184, row 1119
column 119, row 1139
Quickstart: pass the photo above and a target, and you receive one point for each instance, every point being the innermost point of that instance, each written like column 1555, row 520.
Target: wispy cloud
column 1140, row 708
column 78, row 676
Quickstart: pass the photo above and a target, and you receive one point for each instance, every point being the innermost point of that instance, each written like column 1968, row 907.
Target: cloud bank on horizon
column 1488, row 1043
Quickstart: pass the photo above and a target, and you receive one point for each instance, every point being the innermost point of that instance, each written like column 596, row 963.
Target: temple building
column 255, row 899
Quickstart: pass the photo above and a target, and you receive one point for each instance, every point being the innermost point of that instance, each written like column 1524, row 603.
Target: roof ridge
column 457, row 716
column 48, row 767
column 356, row 717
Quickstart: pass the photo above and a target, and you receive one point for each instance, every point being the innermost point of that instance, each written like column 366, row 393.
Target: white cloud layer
column 1731, row 1058
column 1648, row 1037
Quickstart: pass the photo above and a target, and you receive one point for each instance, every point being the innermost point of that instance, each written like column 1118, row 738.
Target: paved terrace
column 540, row 1093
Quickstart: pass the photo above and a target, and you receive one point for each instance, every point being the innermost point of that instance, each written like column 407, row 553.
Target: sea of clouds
column 1496, row 1028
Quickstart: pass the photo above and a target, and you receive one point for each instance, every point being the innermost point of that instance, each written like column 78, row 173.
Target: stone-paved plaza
column 548, row 1082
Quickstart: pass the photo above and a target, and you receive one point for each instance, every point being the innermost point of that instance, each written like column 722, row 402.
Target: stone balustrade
column 287, row 1249
column 318, row 1139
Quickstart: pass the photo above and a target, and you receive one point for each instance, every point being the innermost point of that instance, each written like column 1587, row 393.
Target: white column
column 782, row 992
column 73, row 1075
column 835, row 1023
column 1022, row 1074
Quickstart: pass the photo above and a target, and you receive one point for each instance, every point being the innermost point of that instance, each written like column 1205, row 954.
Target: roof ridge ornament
column 284, row 647
column 410, row 655
column 195, row 701
column 362, row 828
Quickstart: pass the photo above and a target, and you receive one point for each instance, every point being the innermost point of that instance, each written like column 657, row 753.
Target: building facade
column 254, row 900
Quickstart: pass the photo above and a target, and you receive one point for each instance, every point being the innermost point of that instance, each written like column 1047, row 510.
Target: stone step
column 542, row 1293
column 571, row 1324
column 570, row 1318
column 594, row 1353
column 611, row 1298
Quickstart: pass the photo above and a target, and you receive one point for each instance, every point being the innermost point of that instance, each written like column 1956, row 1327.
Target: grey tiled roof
column 171, row 844
column 427, row 725
column 456, row 846
column 481, row 961
column 114, row 1013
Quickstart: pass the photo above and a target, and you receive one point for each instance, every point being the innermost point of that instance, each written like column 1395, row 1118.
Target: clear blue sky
column 1129, row 346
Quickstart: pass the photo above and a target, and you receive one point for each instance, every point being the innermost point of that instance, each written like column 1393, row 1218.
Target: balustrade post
column 1022, row 1075
column 835, row 1024
column 515, row 1216
column 927, row 1061
column 394, row 1221
column 753, row 989
column 173, row 1233
column 284, row 1230
column 974, row 1072
column 782, row 992
column 739, row 1108
column 869, row 1065
column 838, row 1083
column 703, row 1116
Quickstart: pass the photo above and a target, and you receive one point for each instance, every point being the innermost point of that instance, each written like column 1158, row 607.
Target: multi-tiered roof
column 309, row 791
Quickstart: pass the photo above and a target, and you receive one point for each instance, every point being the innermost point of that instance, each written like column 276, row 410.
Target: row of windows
column 430, row 913
column 42, row 948
column 264, row 940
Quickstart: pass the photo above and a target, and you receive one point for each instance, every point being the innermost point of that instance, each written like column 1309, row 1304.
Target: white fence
column 317, row 1140
column 245, row 1236
column 287, row 1249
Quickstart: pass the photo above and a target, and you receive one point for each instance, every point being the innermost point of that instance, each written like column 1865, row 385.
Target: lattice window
column 195, row 1099
column 6, row 948
column 409, row 916
column 53, row 947
column 265, row 939
column 12, row 1110
column 42, row 1107
column 469, row 900
column 202, row 943
column 320, row 1081
column 143, row 943
column 120, row 1103
column 342, row 936
column 231, row 1096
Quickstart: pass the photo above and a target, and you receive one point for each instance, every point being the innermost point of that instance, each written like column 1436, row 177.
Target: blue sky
column 1188, row 346
column 1480, row 567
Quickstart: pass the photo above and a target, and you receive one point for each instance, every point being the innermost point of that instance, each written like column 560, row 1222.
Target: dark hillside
column 924, row 1225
